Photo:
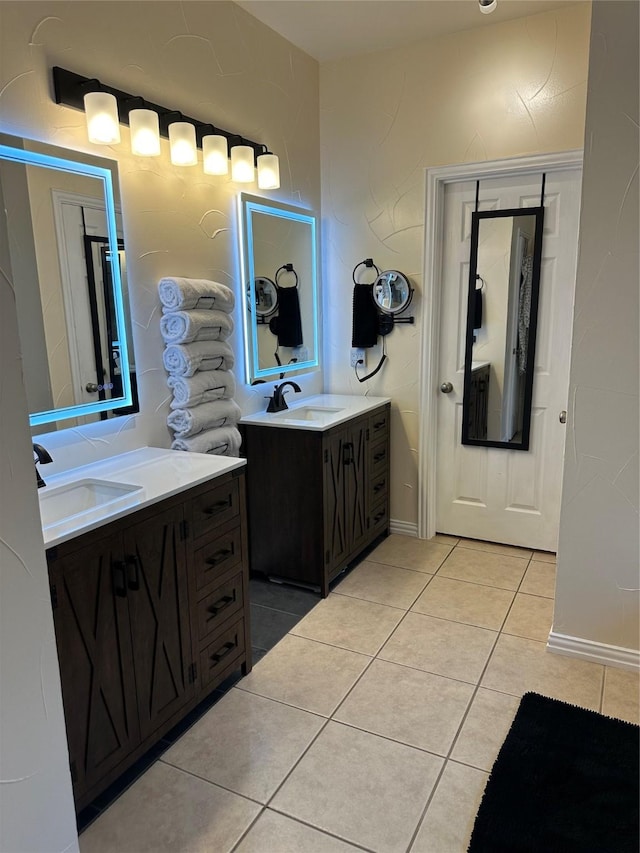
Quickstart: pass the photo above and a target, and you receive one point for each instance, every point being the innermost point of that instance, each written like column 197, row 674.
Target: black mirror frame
column 476, row 217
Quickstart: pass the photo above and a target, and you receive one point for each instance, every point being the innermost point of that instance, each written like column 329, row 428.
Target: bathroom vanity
column 317, row 486
column 150, row 601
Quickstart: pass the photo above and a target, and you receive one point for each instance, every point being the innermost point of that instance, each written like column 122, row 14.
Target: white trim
column 404, row 528
column 436, row 180
column 602, row 653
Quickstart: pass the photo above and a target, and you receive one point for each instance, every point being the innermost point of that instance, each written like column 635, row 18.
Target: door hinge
column 193, row 672
column 54, row 596
column 184, row 529
column 74, row 772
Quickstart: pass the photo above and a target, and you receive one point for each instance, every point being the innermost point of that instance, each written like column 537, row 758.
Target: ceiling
column 336, row 29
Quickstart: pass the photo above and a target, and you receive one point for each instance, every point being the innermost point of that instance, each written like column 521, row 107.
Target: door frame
column 436, row 180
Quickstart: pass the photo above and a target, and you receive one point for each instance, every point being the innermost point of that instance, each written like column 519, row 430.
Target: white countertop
column 345, row 406
column 160, row 474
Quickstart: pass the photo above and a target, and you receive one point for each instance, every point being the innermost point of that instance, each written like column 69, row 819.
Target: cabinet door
column 90, row 611
column 355, row 474
column 335, row 525
column 155, row 558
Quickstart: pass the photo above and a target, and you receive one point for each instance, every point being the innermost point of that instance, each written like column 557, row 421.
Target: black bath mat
column 564, row 781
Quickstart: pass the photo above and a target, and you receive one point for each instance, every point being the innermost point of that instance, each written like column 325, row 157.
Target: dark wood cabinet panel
column 311, row 496
column 155, row 558
column 140, row 606
column 91, row 618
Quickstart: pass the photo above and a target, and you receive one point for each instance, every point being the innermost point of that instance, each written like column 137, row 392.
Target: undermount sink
column 85, row 498
column 308, row 413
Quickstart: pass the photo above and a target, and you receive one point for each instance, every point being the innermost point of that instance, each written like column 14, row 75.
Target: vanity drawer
column 214, row 559
column 378, row 460
column 215, row 507
column 221, row 604
column 379, row 425
column 379, row 517
column 221, row 652
column 378, row 488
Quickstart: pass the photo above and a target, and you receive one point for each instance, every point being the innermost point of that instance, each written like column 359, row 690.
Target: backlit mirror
column 61, row 249
column 502, row 310
column 279, row 272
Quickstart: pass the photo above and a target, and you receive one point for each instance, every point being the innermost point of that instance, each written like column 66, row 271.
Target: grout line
column 299, row 820
column 209, row 782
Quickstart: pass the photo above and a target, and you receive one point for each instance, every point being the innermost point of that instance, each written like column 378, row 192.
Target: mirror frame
column 476, row 218
column 34, row 158
column 247, row 205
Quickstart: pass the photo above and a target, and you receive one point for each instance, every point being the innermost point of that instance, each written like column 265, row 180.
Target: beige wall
column 213, row 61
column 598, row 561
column 499, row 91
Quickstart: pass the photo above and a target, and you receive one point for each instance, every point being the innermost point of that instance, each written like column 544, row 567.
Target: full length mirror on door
column 502, row 309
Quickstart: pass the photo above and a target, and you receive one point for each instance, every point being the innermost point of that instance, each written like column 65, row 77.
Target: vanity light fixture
column 268, row 171
column 102, row 118
column 185, row 134
column 145, row 132
column 242, row 164
column 487, row 6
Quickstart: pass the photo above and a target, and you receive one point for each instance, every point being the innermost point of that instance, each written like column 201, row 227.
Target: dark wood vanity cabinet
column 316, row 499
column 151, row 614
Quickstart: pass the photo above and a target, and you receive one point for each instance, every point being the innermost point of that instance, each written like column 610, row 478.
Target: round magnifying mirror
column 266, row 296
column 392, row 292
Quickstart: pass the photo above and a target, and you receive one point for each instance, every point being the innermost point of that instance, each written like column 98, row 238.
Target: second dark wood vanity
column 316, row 499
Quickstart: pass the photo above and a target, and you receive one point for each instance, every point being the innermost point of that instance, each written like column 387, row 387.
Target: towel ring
column 286, row 268
column 368, row 262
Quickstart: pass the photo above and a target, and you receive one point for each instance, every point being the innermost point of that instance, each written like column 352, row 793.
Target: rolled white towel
column 185, row 359
column 201, row 388
column 188, row 422
column 178, row 294
column 224, row 441
column 184, row 327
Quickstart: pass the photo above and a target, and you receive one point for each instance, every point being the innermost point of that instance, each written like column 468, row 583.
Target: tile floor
column 373, row 723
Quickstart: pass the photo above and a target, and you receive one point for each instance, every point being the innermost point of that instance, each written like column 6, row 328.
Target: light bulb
column 182, row 143
column 242, row 169
column 215, row 155
column 103, row 126
column 268, row 172
column 145, row 133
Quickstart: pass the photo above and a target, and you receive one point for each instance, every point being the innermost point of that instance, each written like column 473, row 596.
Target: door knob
column 562, row 417
column 446, row 387
column 91, row 387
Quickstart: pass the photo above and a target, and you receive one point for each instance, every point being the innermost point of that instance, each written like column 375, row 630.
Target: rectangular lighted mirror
column 278, row 250
column 502, row 316
column 62, row 252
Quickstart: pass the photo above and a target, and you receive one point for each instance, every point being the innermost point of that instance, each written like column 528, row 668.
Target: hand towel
column 183, row 327
column 287, row 325
column 188, row 422
column 364, row 330
column 178, row 294
column 224, row 441
column 186, row 359
column 201, row 388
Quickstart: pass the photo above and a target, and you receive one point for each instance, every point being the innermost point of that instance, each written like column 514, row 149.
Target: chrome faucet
column 277, row 403
column 43, row 456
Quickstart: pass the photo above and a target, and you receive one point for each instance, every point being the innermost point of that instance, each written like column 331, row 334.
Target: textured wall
column 210, row 60
column 213, row 61
column 504, row 90
column 598, row 561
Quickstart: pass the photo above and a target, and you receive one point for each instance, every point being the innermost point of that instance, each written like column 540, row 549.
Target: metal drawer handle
column 217, row 657
column 379, row 486
column 347, row 453
column 219, row 556
column 134, row 582
column 119, row 578
column 215, row 508
column 220, row 605
column 380, row 456
column 379, row 424
column 377, row 517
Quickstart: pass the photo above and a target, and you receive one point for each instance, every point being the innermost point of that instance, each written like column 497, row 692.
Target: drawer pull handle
column 379, row 424
column 379, row 486
column 220, row 605
column 119, row 579
column 224, row 651
column 215, row 508
column 377, row 517
column 133, row 582
column 347, row 453
column 378, row 457
column 219, row 556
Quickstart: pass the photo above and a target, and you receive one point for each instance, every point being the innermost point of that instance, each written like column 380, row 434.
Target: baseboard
column 576, row 647
column 404, row 528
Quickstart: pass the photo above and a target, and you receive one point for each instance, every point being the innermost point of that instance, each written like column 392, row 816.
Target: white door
column 498, row 494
